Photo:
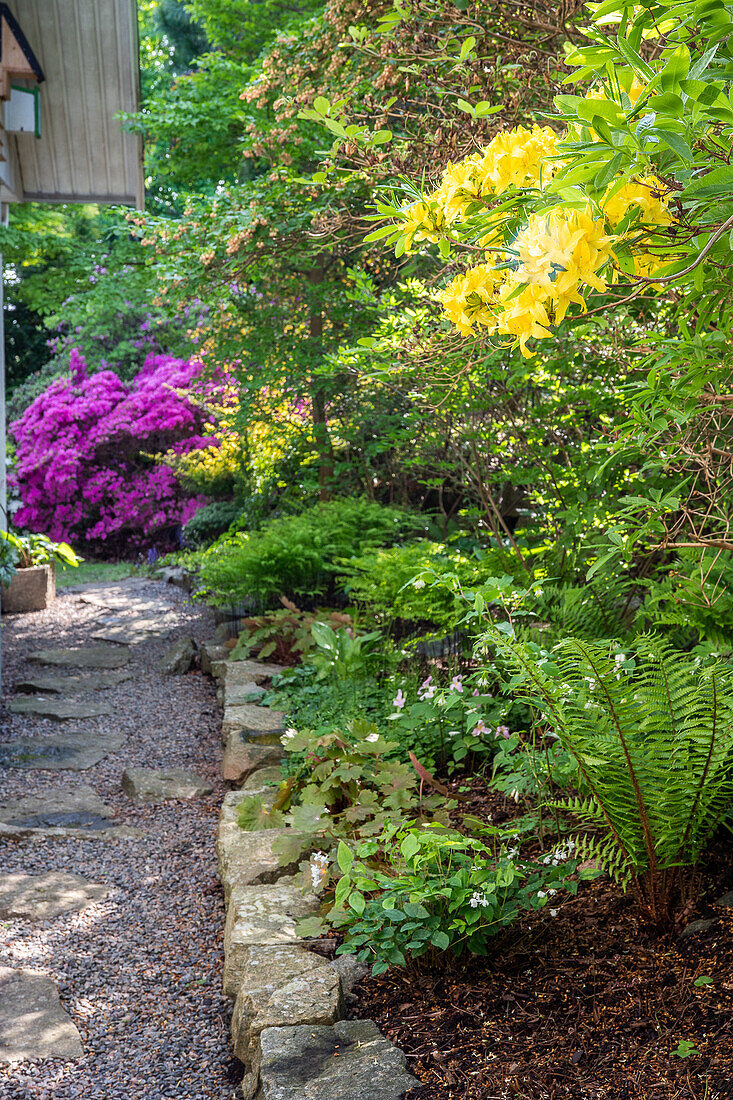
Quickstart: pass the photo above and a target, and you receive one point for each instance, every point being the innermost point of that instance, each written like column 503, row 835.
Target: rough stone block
column 260, row 916
column 32, row 589
column 313, row 996
column 241, row 758
column 235, row 695
column 161, row 784
column 241, row 672
column 178, row 658
column 350, row 1059
column 212, row 654
column 252, row 722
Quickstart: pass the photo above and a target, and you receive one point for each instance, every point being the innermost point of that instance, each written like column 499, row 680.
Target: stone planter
column 31, row 589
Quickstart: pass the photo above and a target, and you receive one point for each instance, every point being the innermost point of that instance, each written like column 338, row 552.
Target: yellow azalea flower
column 517, row 159
column 561, row 249
column 649, row 195
column 471, row 297
column 459, row 187
column 524, row 314
column 424, row 221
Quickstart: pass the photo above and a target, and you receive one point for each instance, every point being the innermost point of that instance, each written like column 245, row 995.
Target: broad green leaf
column 344, row 857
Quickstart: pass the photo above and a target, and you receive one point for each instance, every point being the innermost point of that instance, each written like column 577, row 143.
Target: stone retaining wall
column 288, row 1026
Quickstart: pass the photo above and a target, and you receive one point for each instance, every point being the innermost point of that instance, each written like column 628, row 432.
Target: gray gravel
column 139, row 972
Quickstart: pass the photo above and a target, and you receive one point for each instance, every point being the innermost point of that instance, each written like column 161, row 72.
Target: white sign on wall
column 23, row 111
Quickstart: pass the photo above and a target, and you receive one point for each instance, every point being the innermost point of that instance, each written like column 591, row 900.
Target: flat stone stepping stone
column 33, row 1025
column 79, row 805
column 134, row 629
column 73, row 684
column 161, row 784
column 62, row 752
column 60, row 710
column 349, row 1059
column 95, row 656
column 45, row 896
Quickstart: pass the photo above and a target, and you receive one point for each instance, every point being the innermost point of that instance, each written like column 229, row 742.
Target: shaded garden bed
column 589, row 1004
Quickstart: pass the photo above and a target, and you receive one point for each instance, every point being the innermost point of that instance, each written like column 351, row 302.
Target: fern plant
column 652, row 735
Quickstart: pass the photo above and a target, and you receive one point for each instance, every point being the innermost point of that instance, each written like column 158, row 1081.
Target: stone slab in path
column 161, row 784
column 133, row 629
column 73, row 683
column 349, row 1059
column 33, row 1025
column 59, row 709
column 95, row 656
column 48, row 895
column 61, row 812
column 62, row 752
column 71, row 807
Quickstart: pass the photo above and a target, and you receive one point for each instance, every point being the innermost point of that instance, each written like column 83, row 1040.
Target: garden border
column 288, row 1025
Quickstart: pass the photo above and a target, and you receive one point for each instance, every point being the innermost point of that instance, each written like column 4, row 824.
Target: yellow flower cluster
column 556, row 256
column 516, row 159
column 553, row 256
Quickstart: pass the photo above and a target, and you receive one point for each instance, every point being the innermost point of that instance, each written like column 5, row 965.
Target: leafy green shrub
column 343, row 785
column 432, row 887
column 651, row 733
column 302, row 555
column 452, row 724
column 693, row 601
column 320, row 705
column 285, row 635
column 209, row 522
column 420, row 582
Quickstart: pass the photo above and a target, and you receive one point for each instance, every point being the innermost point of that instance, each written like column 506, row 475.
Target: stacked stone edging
column 287, row 1026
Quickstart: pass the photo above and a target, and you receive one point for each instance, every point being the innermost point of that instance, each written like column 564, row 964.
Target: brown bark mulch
column 588, row 1005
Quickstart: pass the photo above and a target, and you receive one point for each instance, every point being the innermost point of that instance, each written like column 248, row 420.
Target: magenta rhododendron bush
column 85, row 465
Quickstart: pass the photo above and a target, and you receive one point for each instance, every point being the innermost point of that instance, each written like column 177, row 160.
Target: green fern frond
column 651, row 730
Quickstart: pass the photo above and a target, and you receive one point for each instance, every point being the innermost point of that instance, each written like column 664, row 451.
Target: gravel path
column 140, row 972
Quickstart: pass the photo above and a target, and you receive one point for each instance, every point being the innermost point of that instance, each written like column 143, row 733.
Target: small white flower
column 290, row 733
column 418, row 583
column 454, row 733
column 541, row 894
column 553, row 912
column 318, row 868
column 478, row 899
column 620, row 658
column 372, row 737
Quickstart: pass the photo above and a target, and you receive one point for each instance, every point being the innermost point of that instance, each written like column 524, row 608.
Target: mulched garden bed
column 587, row 1005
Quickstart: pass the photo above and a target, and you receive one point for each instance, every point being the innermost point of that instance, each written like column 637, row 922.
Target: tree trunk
column 318, row 392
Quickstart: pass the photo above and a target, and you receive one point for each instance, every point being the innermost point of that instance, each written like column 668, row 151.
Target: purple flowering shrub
column 85, row 466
